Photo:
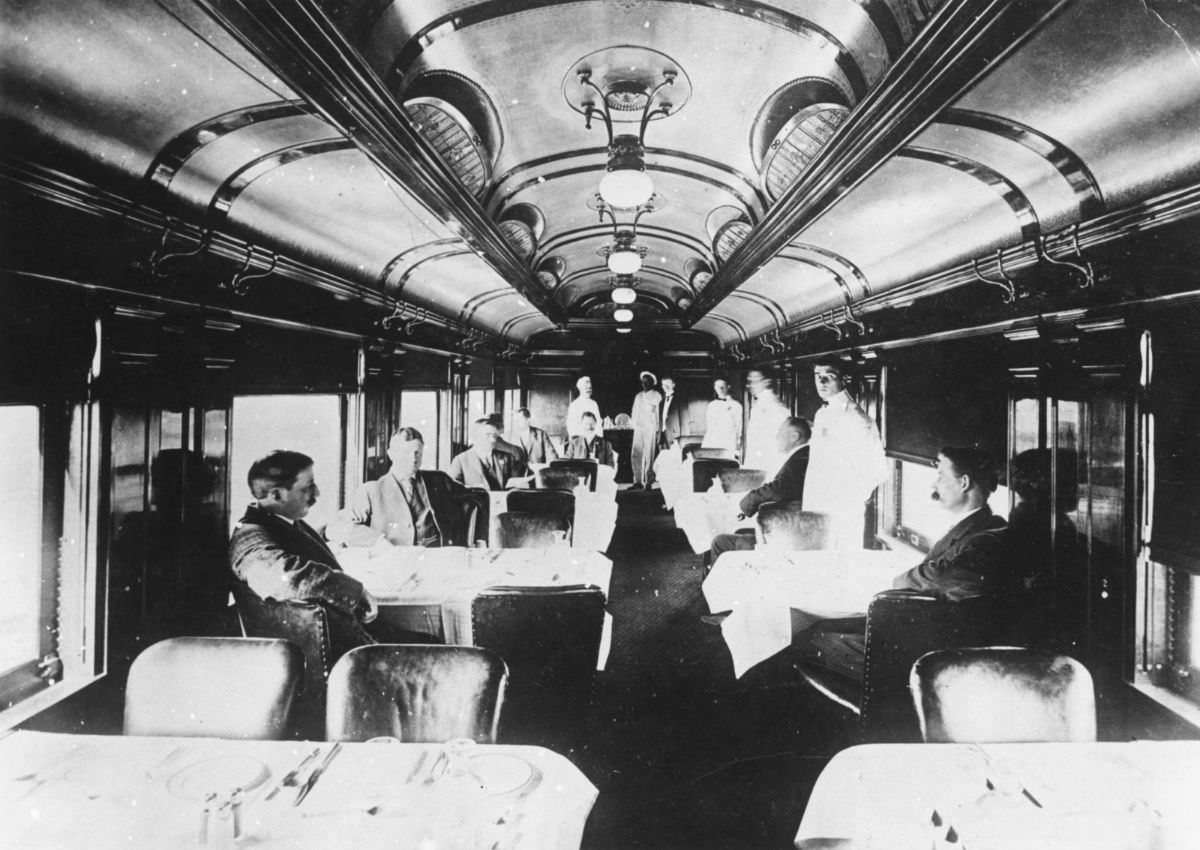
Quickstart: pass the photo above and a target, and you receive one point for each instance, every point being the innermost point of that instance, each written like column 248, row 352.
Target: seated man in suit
column 408, row 505
column 483, row 465
column 589, row 444
column 519, row 455
column 971, row 559
column 787, row 485
column 274, row 554
column 535, row 442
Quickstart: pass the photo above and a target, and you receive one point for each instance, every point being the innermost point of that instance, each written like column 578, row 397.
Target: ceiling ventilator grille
column 797, row 143
column 455, row 140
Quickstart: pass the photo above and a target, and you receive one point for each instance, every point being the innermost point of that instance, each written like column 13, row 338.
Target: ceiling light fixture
column 623, row 314
column 624, row 330
column 623, row 291
column 626, row 84
column 623, row 255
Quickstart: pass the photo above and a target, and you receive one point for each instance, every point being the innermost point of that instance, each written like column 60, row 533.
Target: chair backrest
column 418, row 693
column 306, row 624
column 700, row 452
column 543, row 502
column 741, row 480
column 585, row 469
column 1001, row 695
column 685, row 440
column 786, row 525
column 550, row 478
column 219, row 687
column 519, row 530
column 706, row 469
column 550, row 638
column 476, row 506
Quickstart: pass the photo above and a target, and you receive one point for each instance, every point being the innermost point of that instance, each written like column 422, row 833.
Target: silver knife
column 316, row 774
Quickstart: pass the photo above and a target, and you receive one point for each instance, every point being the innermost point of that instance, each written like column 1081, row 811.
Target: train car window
column 910, row 514
column 50, row 532
column 312, row 424
column 479, row 404
column 428, row 412
column 21, row 528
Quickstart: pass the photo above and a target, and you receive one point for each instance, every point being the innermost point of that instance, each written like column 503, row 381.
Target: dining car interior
column 600, row 424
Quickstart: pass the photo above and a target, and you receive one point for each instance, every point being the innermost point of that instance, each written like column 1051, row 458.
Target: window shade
column 954, row 395
column 1175, row 403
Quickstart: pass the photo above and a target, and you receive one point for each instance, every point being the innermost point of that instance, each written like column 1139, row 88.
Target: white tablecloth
column 110, row 791
column 594, row 522
column 430, row 590
column 1105, row 796
column 702, row 516
column 673, row 474
column 761, row 587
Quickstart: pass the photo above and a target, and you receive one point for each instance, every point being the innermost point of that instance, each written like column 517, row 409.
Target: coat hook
column 1005, row 282
column 1089, row 276
column 854, row 320
column 157, row 268
column 156, row 256
column 831, row 324
column 241, row 287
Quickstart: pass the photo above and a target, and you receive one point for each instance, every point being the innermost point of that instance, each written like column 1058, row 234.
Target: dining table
column 702, row 516
column 429, row 590
column 104, row 792
column 1134, row 795
column 673, row 474
column 762, row 587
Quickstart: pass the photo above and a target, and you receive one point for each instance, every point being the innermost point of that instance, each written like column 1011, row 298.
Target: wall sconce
column 626, row 84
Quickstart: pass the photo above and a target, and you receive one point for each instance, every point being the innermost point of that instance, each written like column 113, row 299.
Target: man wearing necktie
column 482, row 465
column 408, row 505
column 675, row 420
column 275, row 554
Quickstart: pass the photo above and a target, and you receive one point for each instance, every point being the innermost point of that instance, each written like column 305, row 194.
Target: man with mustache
column 274, row 554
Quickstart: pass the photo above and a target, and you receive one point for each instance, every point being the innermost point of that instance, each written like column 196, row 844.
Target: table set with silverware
column 61, row 790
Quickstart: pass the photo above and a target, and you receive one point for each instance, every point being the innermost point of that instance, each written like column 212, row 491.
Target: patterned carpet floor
column 684, row 755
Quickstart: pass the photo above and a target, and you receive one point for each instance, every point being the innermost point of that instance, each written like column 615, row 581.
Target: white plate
column 501, row 773
column 219, row 775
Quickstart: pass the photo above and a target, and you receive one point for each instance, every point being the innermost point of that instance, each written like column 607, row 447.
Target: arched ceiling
column 437, row 151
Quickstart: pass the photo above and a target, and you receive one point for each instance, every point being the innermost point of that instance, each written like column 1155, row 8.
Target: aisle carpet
column 684, row 755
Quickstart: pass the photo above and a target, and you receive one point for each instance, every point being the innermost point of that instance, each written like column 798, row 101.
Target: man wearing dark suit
column 274, row 554
column 482, row 465
column 787, row 485
column 589, row 444
column 675, row 419
column 971, row 559
column 408, row 505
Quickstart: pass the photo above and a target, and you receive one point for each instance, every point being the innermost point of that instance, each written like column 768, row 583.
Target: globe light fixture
column 624, row 294
column 624, row 330
column 624, row 259
column 626, row 185
column 623, row 314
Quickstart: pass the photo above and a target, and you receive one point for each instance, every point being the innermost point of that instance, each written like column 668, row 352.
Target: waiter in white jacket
column 846, row 461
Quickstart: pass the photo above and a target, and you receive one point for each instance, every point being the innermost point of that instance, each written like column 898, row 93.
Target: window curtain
column 1175, row 403
column 953, row 394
